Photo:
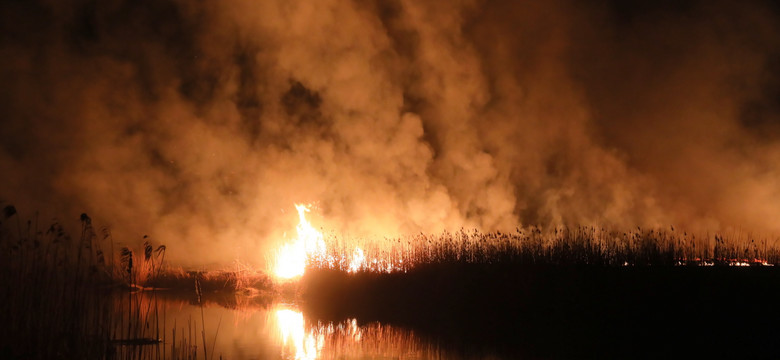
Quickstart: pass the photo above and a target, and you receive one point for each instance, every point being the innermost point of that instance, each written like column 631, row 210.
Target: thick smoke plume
column 201, row 123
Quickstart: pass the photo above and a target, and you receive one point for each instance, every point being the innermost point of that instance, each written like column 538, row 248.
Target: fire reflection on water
column 346, row 339
column 269, row 331
column 296, row 343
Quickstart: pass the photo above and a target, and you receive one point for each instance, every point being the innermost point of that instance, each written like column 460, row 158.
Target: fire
column 358, row 260
column 291, row 258
column 309, row 245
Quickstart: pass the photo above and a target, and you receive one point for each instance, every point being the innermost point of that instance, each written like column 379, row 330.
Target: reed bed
column 559, row 246
column 559, row 293
column 53, row 305
column 73, row 298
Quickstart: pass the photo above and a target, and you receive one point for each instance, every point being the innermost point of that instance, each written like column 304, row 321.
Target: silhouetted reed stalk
column 54, row 289
column 199, row 293
column 62, row 298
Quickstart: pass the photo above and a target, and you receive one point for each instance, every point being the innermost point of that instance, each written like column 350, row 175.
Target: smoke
column 202, row 123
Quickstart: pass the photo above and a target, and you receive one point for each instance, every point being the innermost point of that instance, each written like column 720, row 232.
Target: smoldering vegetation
column 203, row 122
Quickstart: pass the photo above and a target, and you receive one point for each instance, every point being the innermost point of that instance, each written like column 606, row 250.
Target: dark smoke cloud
column 201, row 123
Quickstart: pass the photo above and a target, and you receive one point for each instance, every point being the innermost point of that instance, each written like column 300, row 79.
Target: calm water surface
column 279, row 331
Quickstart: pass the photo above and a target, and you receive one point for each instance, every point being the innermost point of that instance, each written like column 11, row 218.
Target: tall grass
column 72, row 298
column 54, row 290
column 558, row 246
column 580, row 292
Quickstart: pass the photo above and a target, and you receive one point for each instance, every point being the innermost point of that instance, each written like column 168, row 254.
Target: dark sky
column 201, row 123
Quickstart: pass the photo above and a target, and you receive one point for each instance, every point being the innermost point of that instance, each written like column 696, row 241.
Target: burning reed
column 582, row 292
column 560, row 246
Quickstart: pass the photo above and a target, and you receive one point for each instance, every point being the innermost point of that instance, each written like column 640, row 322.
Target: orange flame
column 309, row 245
column 291, row 258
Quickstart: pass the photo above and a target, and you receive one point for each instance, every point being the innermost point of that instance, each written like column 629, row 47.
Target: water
column 555, row 312
column 278, row 331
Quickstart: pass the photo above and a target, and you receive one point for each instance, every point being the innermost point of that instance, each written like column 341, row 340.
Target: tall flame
column 309, row 244
column 291, row 259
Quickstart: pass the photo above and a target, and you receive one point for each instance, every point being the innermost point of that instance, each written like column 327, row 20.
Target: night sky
column 201, row 123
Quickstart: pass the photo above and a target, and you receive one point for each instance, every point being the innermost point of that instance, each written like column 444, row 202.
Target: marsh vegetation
column 78, row 298
column 534, row 292
column 582, row 292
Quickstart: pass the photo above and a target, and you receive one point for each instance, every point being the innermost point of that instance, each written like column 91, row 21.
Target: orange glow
column 358, row 260
column 309, row 246
column 291, row 258
column 302, row 340
column 295, row 340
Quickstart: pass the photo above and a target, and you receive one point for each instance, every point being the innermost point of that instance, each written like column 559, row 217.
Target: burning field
column 558, row 293
column 389, row 178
